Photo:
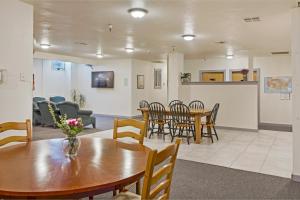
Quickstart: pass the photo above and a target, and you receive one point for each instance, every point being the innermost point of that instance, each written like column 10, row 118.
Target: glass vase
column 71, row 146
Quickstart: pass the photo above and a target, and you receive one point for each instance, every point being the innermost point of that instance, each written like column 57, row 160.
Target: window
column 157, row 78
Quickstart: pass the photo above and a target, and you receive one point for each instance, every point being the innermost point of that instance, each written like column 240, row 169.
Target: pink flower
column 72, row 122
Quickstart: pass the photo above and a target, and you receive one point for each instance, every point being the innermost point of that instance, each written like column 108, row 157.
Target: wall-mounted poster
column 157, row 78
column 58, row 65
column 281, row 84
column 140, row 82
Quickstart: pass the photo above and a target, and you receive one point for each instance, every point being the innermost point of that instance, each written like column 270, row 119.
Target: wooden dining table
column 197, row 114
column 39, row 169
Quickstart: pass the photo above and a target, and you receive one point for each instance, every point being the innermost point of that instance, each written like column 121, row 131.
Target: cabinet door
column 213, row 76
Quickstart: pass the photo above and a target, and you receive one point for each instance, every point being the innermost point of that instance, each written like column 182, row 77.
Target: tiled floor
column 267, row 152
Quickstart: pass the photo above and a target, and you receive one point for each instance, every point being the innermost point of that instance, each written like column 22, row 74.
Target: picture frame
column 140, row 81
column 157, row 78
column 58, row 65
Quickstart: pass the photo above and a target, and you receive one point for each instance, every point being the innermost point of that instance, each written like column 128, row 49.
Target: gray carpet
column 192, row 180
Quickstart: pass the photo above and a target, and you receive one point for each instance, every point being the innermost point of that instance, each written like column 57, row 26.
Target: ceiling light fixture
column 188, row 37
column 229, row 57
column 129, row 50
column 45, row 46
column 99, row 55
column 137, row 12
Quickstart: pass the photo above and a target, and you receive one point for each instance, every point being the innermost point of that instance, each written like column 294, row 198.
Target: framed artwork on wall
column 140, row 83
column 280, row 84
column 157, row 78
column 58, row 65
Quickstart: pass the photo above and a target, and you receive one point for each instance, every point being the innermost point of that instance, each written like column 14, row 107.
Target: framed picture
column 157, row 78
column 281, row 84
column 58, row 65
column 140, row 82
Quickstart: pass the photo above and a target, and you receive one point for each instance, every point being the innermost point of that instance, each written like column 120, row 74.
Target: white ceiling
column 65, row 23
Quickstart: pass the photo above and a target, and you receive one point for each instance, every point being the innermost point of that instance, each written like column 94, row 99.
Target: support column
column 175, row 67
column 250, row 67
column 295, row 56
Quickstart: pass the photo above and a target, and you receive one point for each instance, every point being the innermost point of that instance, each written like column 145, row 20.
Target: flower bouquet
column 71, row 128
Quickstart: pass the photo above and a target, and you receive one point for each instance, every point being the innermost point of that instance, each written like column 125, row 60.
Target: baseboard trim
column 276, row 127
column 295, row 178
column 237, row 129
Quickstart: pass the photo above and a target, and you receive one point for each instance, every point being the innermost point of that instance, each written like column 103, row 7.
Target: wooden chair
column 174, row 102
column 141, row 125
column 145, row 104
column 16, row 126
column 158, row 117
column 210, row 124
column 182, row 121
column 160, row 177
column 196, row 104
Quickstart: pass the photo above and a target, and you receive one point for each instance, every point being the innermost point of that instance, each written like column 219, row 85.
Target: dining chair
column 174, row 102
column 140, row 125
column 158, row 175
column 7, row 126
column 145, row 104
column 210, row 123
column 159, row 117
column 196, row 104
column 182, row 121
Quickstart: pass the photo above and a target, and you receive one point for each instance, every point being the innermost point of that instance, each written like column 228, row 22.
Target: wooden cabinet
column 213, row 76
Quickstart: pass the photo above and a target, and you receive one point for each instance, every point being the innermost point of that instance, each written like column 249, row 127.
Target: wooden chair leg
column 216, row 132
column 91, row 197
column 137, row 187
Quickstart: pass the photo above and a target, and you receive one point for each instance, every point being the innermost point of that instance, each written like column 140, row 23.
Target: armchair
column 46, row 118
column 36, row 114
column 72, row 111
column 57, row 99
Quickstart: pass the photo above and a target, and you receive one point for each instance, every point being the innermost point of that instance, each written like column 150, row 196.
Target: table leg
column 146, row 119
column 198, row 129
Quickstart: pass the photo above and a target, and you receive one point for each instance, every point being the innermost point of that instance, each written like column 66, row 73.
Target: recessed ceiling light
column 188, row 37
column 129, row 50
column 229, row 57
column 138, row 12
column 99, row 55
column 45, row 46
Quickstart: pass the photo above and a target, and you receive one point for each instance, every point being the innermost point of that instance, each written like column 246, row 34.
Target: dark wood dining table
column 197, row 114
column 39, row 169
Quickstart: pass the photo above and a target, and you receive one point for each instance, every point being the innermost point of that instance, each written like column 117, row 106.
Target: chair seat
column 127, row 196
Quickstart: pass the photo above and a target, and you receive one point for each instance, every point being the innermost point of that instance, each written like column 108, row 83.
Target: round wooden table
column 39, row 169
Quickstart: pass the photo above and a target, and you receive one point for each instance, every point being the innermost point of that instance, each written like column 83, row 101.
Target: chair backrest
column 144, row 104
column 157, row 111
column 68, row 108
column 214, row 112
column 180, row 114
column 16, row 126
column 35, row 100
column 141, row 125
column 46, row 117
column 197, row 105
column 161, row 176
column 174, row 102
column 57, row 99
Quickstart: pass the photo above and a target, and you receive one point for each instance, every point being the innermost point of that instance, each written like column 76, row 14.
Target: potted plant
column 71, row 128
column 185, row 77
column 78, row 98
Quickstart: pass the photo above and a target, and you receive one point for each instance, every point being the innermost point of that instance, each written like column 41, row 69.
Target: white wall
column 49, row 82
column 108, row 101
column 238, row 111
column 270, row 103
column 16, row 22
column 150, row 94
column 175, row 67
column 268, row 66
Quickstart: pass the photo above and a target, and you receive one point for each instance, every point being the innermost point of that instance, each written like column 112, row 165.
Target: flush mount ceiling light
column 129, row 50
column 99, row 55
column 188, row 37
column 137, row 12
column 45, row 46
column 229, row 57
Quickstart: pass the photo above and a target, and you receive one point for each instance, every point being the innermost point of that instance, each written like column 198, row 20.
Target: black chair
column 174, row 102
column 197, row 105
column 182, row 121
column 210, row 124
column 158, row 117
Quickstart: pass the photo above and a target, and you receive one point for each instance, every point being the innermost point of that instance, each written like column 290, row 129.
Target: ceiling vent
column 280, row 53
column 220, row 42
column 252, row 19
